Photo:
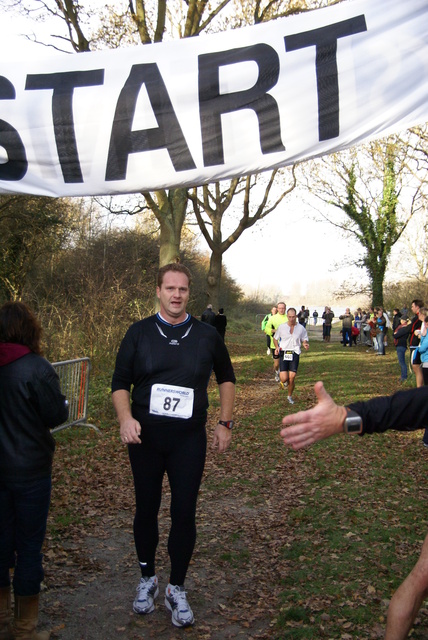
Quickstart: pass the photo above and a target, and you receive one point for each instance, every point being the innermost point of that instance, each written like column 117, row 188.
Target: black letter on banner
column 213, row 104
column 168, row 135
column 325, row 41
column 63, row 85
column 16, row 166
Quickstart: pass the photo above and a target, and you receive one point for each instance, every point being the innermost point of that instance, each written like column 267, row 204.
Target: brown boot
column 6, row 632
column 26, row 618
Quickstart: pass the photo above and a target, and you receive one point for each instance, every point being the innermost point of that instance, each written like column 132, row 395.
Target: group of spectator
column 413, row 332
column 217, row 320
column 369, row 328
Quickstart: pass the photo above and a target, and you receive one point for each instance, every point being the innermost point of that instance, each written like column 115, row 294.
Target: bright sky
column 19, row 47
column 289, row 253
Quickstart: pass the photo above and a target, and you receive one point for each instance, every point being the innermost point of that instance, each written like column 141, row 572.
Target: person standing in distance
column 288, row 340
column 327, row 317
column 347, row 319
column 220, row 322
column 168, row 359
column 208, row 315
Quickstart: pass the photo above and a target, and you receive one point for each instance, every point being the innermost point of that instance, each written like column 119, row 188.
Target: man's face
column 173, row 296
column 281, row 309
column 415, row 308
column 291, row 315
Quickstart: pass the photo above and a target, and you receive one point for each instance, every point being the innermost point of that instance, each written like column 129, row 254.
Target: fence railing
column 74, row 381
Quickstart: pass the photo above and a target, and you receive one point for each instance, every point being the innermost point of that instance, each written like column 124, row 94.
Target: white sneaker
column 268, row 352
column 276, row 376
column 147, row 591
column 176, row 602
column 290, row 400
column 283, row 385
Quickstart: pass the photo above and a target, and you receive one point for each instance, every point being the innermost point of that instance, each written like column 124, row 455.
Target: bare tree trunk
column 214, row 279
column 169, row 209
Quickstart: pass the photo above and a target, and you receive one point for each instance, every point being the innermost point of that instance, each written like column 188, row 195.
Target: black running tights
column 182, row 457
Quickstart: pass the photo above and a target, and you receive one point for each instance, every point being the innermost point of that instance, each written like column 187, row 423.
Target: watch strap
column 226, row 423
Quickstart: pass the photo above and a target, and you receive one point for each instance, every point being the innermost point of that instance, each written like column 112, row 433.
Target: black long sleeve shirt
column 403, row 411
column 156, row 356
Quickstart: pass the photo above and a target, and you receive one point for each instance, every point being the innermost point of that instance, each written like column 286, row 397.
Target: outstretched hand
column 322, row 421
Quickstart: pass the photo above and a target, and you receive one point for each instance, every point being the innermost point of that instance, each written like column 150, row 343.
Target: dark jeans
column 24, row 508
column 401, row 355
column 326, row 330
column 347, row 336
column 380, row 337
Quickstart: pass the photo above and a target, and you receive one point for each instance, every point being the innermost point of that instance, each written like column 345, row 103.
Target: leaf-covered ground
column 290, row 545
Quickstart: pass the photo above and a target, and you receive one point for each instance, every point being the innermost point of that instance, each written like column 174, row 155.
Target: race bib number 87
column 171, row 401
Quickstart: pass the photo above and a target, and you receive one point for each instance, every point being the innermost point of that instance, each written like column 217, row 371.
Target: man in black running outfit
column 168, row 359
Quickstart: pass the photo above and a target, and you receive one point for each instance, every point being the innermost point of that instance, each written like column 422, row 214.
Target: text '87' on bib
column 171, row 401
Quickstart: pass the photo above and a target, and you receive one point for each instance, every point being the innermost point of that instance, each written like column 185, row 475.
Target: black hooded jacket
column 31, row 403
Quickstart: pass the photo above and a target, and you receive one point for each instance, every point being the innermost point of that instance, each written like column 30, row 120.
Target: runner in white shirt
column 288, row 340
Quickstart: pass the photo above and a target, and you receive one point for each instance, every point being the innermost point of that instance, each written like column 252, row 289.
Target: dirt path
column 236, row 571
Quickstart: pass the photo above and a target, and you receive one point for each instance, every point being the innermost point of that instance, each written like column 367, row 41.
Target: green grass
column 361, row 521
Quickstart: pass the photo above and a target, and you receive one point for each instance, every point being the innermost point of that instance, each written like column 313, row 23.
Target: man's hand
column 221, row 439
column 130, row 430
column 306, row 427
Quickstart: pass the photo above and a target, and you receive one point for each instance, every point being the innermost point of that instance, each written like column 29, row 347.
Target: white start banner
column 204, row 109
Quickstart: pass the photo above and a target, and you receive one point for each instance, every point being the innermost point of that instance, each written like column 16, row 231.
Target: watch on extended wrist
column 353, row 422
column 226, row 423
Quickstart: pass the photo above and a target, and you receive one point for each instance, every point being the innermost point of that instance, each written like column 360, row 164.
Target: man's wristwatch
column 226, row 423
column 353, row 422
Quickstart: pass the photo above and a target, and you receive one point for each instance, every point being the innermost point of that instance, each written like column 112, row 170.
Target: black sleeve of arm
column 403, row 411
column 122, row 375
column 223, row 368
column 51, row 403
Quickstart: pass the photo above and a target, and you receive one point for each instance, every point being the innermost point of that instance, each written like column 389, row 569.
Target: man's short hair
column 177, row 267
column 418, row 302
column 291, row 309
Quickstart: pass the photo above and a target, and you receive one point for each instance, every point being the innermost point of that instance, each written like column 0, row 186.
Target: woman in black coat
column 31, row 403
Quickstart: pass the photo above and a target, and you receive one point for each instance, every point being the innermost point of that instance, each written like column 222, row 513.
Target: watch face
column 353, row 424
